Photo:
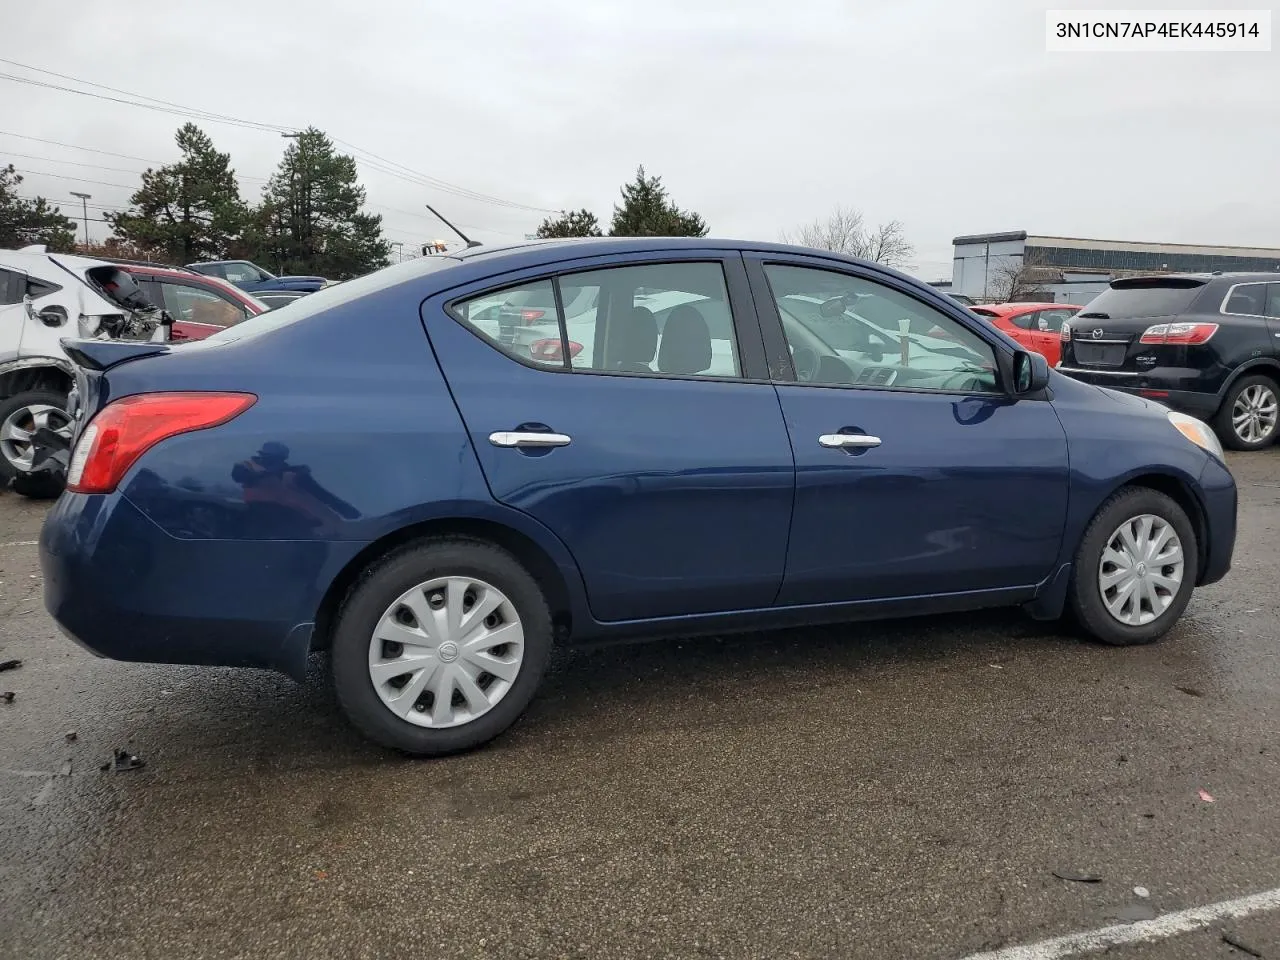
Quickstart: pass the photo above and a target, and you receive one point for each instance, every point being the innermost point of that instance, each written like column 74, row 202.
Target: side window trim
column 1266, row 297
column 779, row 353
column 745, row 322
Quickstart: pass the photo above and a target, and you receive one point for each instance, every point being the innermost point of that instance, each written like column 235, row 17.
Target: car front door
column 648, row 439
column 916, row 474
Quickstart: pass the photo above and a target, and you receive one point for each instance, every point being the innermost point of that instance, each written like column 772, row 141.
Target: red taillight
column 532, row 316
column 1180, row 334
column 126, row 429
column 549, row 349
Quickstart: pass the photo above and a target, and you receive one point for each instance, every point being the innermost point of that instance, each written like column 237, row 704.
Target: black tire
column 1225, row 429
column 1085, row 594
column 379, row 586
column 39, row 486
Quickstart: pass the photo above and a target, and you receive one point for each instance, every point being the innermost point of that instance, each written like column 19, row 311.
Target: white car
column 44, row 298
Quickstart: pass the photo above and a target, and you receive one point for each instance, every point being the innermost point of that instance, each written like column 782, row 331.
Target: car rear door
column 916, row 475
column 660, row 458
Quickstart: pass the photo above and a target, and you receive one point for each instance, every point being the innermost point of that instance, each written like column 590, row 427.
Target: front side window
column 192, row 304
column 242, row 273
column 910, row 345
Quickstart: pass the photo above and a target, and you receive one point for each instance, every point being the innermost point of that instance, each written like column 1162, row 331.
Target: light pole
column 84, row 203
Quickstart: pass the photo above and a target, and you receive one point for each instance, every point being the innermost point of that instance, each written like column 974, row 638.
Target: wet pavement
column 891, row 790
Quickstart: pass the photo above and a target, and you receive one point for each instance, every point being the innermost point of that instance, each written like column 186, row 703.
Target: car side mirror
column 1030, row 373
column 53, row 316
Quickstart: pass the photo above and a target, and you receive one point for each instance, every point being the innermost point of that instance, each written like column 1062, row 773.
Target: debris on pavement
column 1136, row 913
column 1206, row 796
column 70, row 736
column 1189, row 691
column 123, row 760
column 9, row 665
column 7, row 696
column 1077, row 877
column 1233, row 938
column 1142, row 892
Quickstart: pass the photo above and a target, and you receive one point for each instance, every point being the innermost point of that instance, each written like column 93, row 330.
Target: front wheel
column 1135, row 568
column 1249, row 414
column 440, row 646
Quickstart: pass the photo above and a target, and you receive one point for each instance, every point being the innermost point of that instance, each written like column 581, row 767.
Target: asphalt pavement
column 880, row 790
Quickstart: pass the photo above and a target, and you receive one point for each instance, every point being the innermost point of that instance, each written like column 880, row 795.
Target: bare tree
column 1018, row 278
column 845, row 231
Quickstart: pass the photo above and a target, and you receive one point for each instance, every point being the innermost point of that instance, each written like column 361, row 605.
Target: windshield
column 331, row 296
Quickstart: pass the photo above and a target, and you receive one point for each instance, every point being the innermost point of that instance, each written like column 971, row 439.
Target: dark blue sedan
column 439, row 470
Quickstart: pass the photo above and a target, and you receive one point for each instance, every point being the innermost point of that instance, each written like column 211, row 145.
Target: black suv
column 1206, row 344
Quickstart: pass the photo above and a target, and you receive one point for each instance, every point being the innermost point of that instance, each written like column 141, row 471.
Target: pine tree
column 311, row 222
column 646, row 211
column 24, row 222
column 570, row 223
column 189, row 210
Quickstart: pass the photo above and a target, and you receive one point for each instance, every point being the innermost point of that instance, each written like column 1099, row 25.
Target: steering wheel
column 806, row 363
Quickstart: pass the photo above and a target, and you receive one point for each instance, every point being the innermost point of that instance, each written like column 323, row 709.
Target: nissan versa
column 379, row 472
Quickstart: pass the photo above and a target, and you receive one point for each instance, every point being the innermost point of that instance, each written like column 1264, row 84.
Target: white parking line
column 20, row 543
column 1146, row 931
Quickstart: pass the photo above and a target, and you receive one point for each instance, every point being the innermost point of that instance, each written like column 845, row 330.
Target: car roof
column 1023, row 306
column 598, row 246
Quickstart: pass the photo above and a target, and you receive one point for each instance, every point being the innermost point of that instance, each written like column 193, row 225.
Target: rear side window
column 520, row 321
column 667, row 318
column 1165, row 298
column 1273, row 300
column 1247, row 300
column 12, row 287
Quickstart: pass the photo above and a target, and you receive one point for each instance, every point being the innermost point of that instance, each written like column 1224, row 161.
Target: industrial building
column 1022, row 266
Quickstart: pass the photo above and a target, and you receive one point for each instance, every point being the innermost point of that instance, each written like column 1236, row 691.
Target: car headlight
column 1197, row 431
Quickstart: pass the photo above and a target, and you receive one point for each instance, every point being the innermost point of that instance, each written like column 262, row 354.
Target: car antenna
column 469, row 242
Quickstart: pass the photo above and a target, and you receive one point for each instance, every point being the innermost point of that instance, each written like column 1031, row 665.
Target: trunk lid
column 1108, row 334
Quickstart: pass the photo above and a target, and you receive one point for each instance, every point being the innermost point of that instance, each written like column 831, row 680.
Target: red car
column 1037, row 326
column 200, row 305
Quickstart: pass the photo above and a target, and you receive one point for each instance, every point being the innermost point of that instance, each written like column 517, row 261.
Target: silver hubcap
column 1141, row 570
column 446, row 652
column 19, row 428
column 1253, row 416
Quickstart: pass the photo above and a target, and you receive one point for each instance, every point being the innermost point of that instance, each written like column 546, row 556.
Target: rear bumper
column 1198, row 403
column 122, row 588
column 1218, row 494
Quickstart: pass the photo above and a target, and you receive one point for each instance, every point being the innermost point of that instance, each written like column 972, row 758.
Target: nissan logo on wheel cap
column 1097, row 333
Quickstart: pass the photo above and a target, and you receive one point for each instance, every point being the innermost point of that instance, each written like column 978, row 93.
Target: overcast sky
column 946, row 114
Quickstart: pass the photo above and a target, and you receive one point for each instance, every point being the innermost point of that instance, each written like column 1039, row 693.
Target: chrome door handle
column 511, row 438
column 848, row 440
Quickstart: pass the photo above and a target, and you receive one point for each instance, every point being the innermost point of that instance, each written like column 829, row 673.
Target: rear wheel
column 1135, row 568
column 1249, row 415
column 440, row 646
column 20, row 417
